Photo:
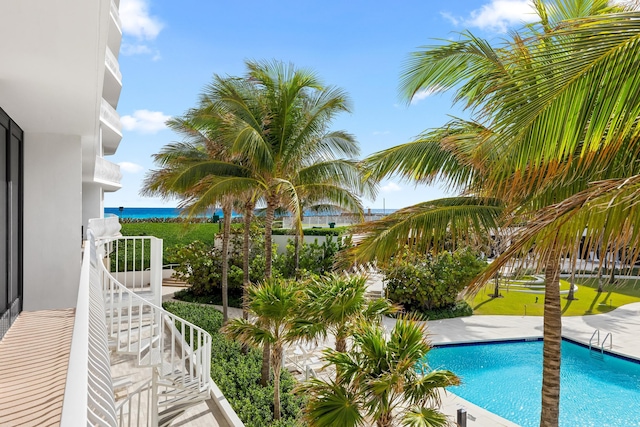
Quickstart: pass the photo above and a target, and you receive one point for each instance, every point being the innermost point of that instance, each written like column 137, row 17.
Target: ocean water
column 146, row 213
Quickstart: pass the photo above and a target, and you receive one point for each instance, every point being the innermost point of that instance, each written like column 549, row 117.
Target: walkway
column 33, row 368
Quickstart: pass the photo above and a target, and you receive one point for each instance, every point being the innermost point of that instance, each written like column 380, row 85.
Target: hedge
column 311, row 231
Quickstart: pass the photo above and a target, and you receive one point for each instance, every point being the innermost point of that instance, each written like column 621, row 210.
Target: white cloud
column 130, row 167
column 135, row 49
column 497, row 15
column 449, row 17
column 425, row 93
column 136, row 21
column 145, row 121
column 391, row 187
column 129, row 49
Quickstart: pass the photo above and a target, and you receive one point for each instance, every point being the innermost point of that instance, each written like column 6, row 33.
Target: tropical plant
column 312, row 258
column 193, row 171
column 336, row 304
column 422, row 282
column 379, row 380
column 555, row 109
column 274, row 304
column 278, row 118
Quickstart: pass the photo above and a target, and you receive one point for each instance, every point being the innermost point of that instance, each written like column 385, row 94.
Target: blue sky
column 170, row 51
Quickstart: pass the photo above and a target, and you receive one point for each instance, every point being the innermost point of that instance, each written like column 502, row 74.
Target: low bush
column 459, row 309
column 311, row 231
column 187, row 295
column 238, row 375
column 426, row 283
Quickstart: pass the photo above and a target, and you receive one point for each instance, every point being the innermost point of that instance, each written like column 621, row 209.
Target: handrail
column 179, row 351
column 597, row 331
column 88, row 389
column 137, row 263
column 144, row 323
column 610, row 336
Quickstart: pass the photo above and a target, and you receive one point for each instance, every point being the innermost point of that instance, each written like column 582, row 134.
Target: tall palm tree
column 571, row 65
column 194, row 171
column 379, row 380
column 274, row 303
column 278, row 118
column 336, row 304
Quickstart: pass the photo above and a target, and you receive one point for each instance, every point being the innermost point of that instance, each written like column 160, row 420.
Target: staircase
column 172, row 356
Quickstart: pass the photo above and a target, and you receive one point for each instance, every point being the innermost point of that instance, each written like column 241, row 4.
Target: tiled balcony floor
column 34, row 355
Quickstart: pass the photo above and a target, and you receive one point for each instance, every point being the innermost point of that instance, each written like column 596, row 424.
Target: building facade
column 59, row 89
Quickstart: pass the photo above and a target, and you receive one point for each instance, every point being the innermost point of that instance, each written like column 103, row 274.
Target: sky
column 171, row 50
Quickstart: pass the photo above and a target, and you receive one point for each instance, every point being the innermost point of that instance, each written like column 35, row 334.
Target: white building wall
column 92, row 204
column 52, row 220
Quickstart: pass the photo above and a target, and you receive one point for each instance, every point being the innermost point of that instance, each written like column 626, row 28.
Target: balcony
column 115, row 28
column 112, row 79
column 107, row 174
column 111, row 128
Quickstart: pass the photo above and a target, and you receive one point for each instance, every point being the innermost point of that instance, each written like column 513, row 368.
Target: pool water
column 506, row 379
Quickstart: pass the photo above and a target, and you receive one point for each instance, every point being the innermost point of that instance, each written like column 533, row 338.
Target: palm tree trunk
column 226, row 213
column 277, row 364
column 385, row 420
column 266, row 365
column 248, row 213
column 552, row 344
column 297, row 246
column 571, row 295
column 268, row 227
column 296, row 254
column 268, row 256
column 341, row 343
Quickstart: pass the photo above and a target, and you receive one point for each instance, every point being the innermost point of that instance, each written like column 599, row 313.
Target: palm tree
column 193, row 171
column 536, row 164
column 336, row 304
column 274, row 304
column 278, row 117
column 380, row 379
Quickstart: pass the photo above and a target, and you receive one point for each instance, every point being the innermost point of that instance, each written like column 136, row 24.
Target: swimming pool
column 506, row 379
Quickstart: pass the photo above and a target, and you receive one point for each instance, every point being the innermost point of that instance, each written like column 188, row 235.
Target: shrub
column 459, row 309
column 314, row 258
column 425, row 283
column 311, row 231
column 238, row 375
column 200, row 264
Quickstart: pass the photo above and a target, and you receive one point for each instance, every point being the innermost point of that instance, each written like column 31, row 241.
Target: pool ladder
column 600, row 345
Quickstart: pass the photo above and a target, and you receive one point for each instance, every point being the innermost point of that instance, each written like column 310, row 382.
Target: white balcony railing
column 115, row 13
column 89, row 398
column 112, row 64
column 105, row 228
column 110, row 116
column 114, row 319
column 107, row 173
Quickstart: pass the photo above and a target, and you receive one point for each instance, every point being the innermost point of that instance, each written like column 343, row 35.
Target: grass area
column 172, row 233
column 589, row 301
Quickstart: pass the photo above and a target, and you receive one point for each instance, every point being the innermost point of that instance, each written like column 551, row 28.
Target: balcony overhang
column 111, row 128
column 112, row 80
column 107, row 174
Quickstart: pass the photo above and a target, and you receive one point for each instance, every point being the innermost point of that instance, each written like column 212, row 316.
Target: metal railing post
column 461, row 418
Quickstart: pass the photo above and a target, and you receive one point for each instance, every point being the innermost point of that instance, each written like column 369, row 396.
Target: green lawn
column 588, row 301
column 172, row 233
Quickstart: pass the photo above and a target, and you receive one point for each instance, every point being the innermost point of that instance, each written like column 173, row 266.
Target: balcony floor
column 34, row 355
